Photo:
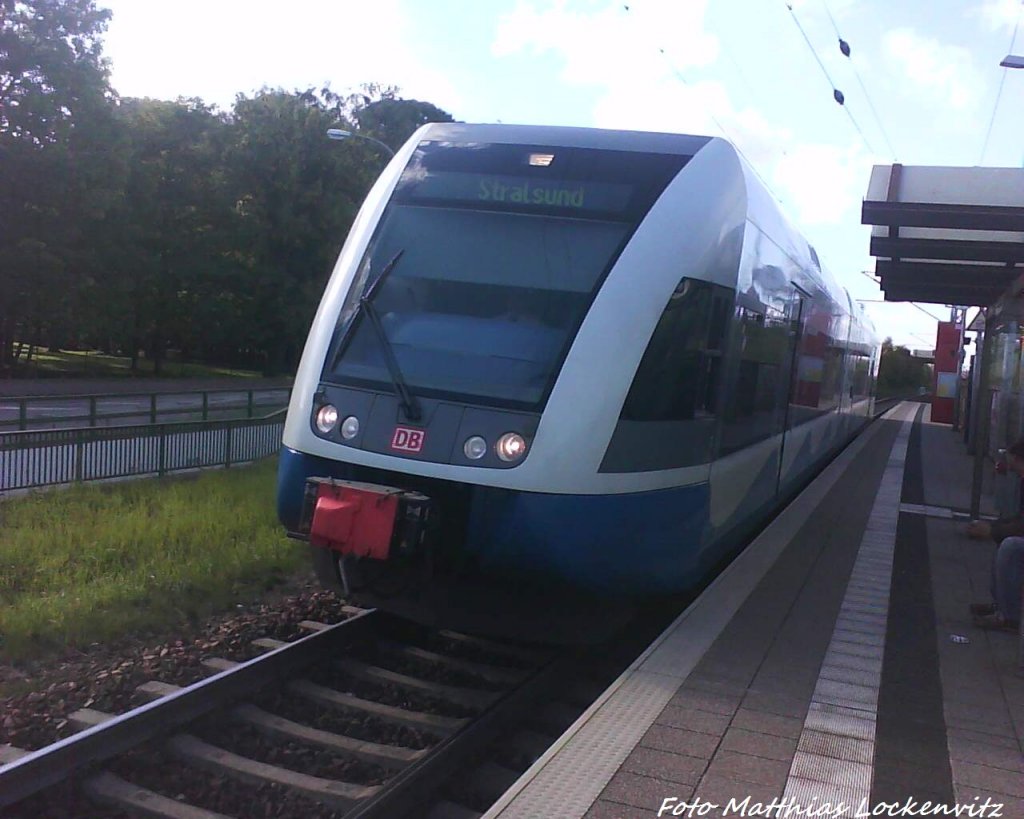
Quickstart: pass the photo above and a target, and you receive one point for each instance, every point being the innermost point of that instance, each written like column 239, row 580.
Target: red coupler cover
column 356, row 520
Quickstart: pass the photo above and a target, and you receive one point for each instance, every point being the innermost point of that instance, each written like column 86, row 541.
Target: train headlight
column 475, row 448
column 350, row 428
column 326, row 418
column 510, row 447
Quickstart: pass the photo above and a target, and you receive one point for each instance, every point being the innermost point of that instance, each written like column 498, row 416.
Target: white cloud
column 944, row 72
column 216, row 49
column 606, row 45
column 643, row 89
column 1000, row 14
column 826, row 182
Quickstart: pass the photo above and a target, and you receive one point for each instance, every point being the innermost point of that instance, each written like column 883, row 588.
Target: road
column 49, row 411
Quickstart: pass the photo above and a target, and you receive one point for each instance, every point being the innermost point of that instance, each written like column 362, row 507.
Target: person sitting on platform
column 1008, row 562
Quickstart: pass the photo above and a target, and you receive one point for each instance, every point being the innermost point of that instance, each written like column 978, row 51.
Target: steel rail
column 59, row 761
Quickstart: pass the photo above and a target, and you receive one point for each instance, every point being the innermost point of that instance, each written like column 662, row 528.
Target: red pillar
column 947, row 371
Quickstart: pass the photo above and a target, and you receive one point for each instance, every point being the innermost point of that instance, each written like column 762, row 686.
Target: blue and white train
column 563, row 358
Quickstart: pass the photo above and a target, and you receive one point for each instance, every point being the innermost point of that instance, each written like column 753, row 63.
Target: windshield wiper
column 365, row 306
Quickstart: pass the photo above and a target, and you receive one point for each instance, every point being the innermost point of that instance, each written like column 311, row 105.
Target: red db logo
column 407, row 440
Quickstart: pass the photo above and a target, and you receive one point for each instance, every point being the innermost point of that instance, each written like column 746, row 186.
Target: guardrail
column 49, row 411
column 36, row 458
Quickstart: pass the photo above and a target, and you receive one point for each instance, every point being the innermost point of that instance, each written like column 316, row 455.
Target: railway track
column 370, row 717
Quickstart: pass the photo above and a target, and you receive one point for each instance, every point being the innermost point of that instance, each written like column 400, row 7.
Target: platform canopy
column 946, row 235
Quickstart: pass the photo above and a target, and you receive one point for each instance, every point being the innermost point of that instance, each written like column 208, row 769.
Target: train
column 560, row 370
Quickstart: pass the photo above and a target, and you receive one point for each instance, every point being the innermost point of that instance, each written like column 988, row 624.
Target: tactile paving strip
column 570, row 776
column 836, row 746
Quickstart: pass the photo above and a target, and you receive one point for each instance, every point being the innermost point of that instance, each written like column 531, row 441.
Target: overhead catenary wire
column 883, row 301
column 837, row 95
column 844, row 48
column 679, row 76
column 999, row 93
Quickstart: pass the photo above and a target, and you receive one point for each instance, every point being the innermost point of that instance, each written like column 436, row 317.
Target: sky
column 921, row 84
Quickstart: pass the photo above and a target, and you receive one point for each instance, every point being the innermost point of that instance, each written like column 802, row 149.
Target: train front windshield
column 493, row 254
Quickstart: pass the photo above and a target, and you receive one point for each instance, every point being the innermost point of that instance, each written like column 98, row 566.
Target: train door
column 795, row 316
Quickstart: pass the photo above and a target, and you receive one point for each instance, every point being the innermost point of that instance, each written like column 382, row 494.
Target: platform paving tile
column 722, row 669
column 987, row 778
column 764, row 723
column 994, row 756
column 757, row 744
column 1013, row 688
column 748, row 768
column 711, row 684
column 681, row 741
column 785, row 676
column 740, row 668
column 986, row 720
column 982, row 736
column 604, row 809
column 977, row 695
column 778, row 704
column 641, row 791
column 691, row 719
column 1013, row 806
column 665, row 765
column 703, row 701
column 775, row 680
column 718, row 790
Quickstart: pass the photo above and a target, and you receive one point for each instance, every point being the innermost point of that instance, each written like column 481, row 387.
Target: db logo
column 407, row 440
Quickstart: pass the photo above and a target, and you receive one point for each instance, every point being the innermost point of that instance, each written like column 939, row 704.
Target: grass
column 93, row 364
column 98, row 562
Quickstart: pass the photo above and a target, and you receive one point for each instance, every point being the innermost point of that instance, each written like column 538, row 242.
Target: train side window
column 752, row 412
column 678, row 377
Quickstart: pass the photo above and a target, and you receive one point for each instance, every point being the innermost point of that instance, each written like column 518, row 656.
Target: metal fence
column 24, row 412
column 49, row 457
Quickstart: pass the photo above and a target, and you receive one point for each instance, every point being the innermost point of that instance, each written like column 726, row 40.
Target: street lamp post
column 339, row 134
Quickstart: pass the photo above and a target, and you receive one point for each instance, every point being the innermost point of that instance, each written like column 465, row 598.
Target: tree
column 382, row 114
column 53, row 90
column 297, row 196
column 899, row 373
column 51, row 66
column 170, row 229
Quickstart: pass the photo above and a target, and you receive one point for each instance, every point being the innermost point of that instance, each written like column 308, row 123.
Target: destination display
column 497, row 189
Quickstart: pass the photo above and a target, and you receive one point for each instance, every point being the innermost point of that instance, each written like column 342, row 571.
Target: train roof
column 568, row 137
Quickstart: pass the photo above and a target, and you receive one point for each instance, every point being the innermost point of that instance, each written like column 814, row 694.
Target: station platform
column 831, row 670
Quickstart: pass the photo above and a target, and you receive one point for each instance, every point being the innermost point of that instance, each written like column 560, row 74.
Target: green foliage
column 899, row 373
column 98, row 562
column 137, row 226
column 51, row 69
column 390, row 119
